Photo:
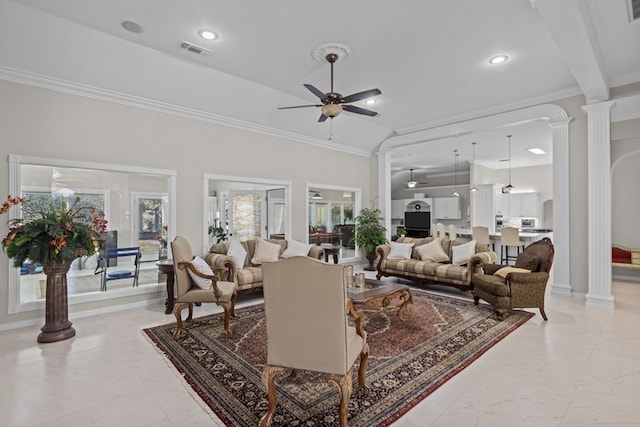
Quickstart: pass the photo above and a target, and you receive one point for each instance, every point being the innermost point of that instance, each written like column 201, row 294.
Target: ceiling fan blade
column 300, row 106
column 358, row 110
column 322, row 118
column 315, row 91
column 361, row 95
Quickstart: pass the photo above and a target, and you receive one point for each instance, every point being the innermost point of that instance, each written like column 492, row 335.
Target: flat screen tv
column 419, row 220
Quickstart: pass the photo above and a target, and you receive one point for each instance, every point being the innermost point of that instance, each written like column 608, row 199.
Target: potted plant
column 218, row 234
column 53, row 236
column 369, row 233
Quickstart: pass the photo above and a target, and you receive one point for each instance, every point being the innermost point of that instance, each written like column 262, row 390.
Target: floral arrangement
column 53, row 235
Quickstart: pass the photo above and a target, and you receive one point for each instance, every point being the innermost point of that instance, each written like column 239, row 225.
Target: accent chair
column 307, row 314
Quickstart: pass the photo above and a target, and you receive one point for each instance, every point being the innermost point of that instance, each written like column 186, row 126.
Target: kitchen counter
column 526, row 236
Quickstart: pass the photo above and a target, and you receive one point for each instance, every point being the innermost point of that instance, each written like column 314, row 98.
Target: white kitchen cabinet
column 397, row 209
column 523, row 205
column 447, row 208
column 483, row 204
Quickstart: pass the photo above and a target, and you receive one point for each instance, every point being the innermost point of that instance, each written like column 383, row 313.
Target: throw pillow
column 237, row 253
column 506, row 270
column 432, row 252
column 265, row 252
column 400, row 250
column 202, row 267
column 462, row 253
column 530, row 262
column 296, row 248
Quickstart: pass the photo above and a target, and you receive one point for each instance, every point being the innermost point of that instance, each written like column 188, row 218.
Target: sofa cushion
column 296, row 248
column 451, row 272
column 620, row 255
column 506, row 270
column 416, row 242
column 238, row 254
column 528, row 261
column 202, row 267
column 219, row 248
column 265, row 252
column 410, row 266
column 249, row 275
column 432, row 252
column 400, row 250
column 460, row 254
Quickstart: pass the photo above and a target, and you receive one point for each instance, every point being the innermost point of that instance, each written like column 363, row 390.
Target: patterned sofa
column 429, row 272
column 250, row 275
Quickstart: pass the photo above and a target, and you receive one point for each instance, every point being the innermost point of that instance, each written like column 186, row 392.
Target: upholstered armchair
column 307, row 314
column 519, row 286
column 197, row 283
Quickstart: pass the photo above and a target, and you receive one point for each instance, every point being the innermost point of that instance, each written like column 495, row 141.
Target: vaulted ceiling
column 429, row 59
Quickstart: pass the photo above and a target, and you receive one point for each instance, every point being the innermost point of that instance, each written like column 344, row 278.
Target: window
column 114, row 189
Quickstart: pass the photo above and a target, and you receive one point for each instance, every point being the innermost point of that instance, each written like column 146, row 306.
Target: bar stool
column 434, row 230
column 453, row 234
column 441, row 232
column 509, row 236
column 481, row 235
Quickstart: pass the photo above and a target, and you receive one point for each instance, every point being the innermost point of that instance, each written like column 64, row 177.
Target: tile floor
column 580, row 368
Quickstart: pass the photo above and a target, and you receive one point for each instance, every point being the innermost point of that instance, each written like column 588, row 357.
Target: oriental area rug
column 407, row 362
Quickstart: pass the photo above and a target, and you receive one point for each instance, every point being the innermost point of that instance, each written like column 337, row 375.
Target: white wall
column 45, row 123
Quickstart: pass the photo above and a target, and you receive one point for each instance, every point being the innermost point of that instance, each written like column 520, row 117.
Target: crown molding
column 65, row 86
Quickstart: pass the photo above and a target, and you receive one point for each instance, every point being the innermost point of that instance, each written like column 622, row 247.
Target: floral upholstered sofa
column 243, row 260
column 434, row 260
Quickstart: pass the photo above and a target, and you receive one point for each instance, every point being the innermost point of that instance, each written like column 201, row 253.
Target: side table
column 330, row 249
column 166, row 266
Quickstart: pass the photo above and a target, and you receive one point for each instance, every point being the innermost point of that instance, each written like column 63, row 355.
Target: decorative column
column 599, row 204
column 384, row 187
column 561, row 270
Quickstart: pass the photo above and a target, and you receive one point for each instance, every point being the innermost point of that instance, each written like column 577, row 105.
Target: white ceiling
column 429, row 59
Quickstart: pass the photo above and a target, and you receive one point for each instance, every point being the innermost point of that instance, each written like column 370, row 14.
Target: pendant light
column 411, row 182
column 507, row 189
column 456, row 193
column 473, row 188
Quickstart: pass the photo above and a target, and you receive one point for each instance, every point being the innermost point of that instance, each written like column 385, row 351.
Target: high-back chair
column 509, row 237
column 481, row 235
column 110, row 257
column 441, row 232
column 307, row 314
column 220, row 292
column 453, row 233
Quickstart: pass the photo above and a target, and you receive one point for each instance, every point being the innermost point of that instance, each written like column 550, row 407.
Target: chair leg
column 344, row 387
column 269, row 374
column 234, row 297
column 502, row 313
column 228, row 309
column 543, row 314
column 476, row 300
column 177, row 311
column 364, row 357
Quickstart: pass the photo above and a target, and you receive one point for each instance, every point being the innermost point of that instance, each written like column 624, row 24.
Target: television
column 417, row 220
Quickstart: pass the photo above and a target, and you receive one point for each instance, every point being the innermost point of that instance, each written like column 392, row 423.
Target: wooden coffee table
column 379, row 295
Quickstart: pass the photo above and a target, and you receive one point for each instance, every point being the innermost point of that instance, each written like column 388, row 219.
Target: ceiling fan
column 414, row 185
column 334, row 103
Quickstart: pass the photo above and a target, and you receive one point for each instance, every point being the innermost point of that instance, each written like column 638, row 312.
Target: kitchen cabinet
column 514, row 205
column 483, row 206
column 447, row 208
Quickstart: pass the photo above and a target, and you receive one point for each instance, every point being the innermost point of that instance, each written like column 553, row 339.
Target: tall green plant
column 369, row 233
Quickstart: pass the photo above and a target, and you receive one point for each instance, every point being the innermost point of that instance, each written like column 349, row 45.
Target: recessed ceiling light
column 208, row 34
column 371, row 101
column 132, row 27
column 498, row 59
column 536, row 151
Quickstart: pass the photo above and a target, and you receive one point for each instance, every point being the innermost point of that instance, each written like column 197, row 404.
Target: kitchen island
column 527, row 236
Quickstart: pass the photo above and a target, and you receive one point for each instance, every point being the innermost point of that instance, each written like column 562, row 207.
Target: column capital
column 600, row 106
column 559, row 123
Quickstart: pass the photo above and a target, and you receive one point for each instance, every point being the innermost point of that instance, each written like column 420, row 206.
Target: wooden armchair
column 307, row 310
column 222, row 293
column 517, row 289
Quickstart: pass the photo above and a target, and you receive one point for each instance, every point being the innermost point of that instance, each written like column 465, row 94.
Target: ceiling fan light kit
column 333, row 103
column 411, row 183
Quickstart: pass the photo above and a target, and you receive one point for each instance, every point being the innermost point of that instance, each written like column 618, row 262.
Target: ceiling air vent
column 194, row 48
column 634, row 9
